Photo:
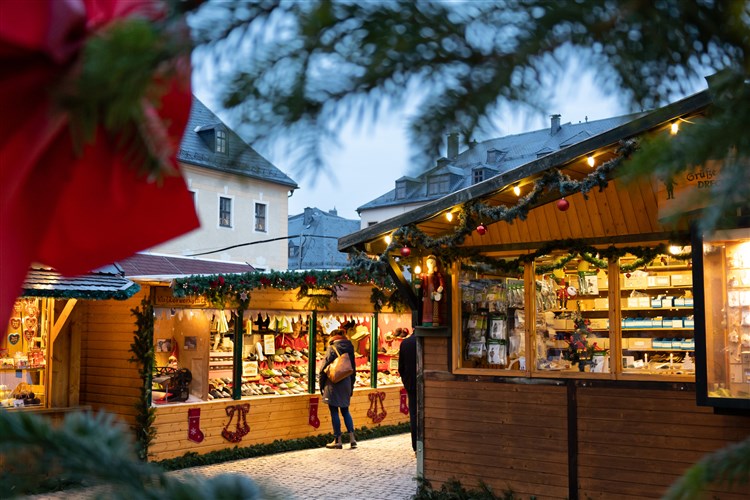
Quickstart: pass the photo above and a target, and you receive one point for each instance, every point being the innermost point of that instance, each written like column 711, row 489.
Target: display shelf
column 662, row 329
column 35, row 369
column 650, row 349
column 666, row 308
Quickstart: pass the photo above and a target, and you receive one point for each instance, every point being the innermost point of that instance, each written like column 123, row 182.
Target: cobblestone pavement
column 379, row 469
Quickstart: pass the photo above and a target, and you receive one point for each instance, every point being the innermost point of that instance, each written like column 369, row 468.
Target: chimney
column 452, row 146
column 555, row 124
column 308, row 217
column 333, row 211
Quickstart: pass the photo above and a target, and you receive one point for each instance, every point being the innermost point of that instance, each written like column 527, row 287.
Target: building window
column 221, row 141
column 400, row 190
column 225, row 212
column 438, row 184
column 477, row 175
column 260, row 217
column 293, row 250
column 495, row 155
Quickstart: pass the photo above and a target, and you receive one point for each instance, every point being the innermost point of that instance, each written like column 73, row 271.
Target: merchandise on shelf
column 23, row 354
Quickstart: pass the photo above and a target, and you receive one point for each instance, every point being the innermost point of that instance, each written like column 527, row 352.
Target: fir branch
column 143, row 355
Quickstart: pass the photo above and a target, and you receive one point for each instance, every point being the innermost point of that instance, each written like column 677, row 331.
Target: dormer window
column 495, row 155
column 438, row 184
column 477, row 175
column 400, row 190
column 221, row 141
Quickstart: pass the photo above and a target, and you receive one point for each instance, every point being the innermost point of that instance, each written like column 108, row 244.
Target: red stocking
column 194, row 423
column 404, row 406
column 313, row 418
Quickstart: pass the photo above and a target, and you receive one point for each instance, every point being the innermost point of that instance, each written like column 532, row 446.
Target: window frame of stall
column 163, row 298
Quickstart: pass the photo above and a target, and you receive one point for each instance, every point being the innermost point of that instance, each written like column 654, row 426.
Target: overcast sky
column 371, row 157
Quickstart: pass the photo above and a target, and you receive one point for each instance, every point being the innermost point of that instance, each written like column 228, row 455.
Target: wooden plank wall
column 505, row 435
column 109, row 381
column 270, row 418
column 634, row 443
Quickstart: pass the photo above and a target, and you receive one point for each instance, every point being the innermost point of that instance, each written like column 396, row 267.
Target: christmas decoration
column 404, row 407
column 376, row 399
column 405, row 251
column 481, row 229
column 312, row 418
column 563, row 204
column 241, row 427
column 143, row 355
column 581, row 349
column 194, row 425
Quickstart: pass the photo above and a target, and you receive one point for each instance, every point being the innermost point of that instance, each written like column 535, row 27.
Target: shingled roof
column 143, row 265
column 313, row 239
column 197, row 148
column 107, row 282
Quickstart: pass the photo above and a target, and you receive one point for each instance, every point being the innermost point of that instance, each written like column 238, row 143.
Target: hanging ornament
column 627, row 275
column 406, row 251
column 563, row 204
column 481, row 229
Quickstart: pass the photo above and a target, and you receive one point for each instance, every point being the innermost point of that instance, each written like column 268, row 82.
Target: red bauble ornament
column 563, row 204
column 481, row 229
column 627, row 275
column 406, row 251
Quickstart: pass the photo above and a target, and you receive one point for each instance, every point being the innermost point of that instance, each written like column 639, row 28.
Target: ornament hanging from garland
column 481, row 229
column 563, row 204
column 406, row 251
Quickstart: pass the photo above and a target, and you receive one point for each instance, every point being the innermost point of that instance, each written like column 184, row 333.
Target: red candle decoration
column 481, row 229
column 406, row 251
column 563, row 204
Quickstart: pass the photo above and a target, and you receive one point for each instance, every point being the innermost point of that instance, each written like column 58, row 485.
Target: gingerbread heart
column 31, row 323
column 17, row 307
column 13, row 338
column 15, row 323
column 29, row 335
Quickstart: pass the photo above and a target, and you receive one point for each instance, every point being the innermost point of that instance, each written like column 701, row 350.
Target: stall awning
column 108, row 282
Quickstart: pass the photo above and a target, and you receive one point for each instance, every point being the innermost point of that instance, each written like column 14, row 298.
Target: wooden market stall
column 568, row 366
column 274, row 399
column 40, row 351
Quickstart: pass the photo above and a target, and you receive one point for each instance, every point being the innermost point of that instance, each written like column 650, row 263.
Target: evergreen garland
column 192, row 459
column 143, row 355
column 473, row 212
column 234, row 290
column 645, row 255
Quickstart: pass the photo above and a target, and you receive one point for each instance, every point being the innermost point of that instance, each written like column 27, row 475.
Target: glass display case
column 492, row 322
column 572, row 315
column 723, row 345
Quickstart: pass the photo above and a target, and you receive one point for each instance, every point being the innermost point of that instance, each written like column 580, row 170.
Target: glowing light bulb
column 449, row 216
column 674, row 128
column 590, row 160
column 387, row 239
column 517, row 190
column 418, row 270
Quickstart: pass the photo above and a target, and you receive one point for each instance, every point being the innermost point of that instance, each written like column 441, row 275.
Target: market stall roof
column 545, row 223
column 107, row 282
column 159, row 267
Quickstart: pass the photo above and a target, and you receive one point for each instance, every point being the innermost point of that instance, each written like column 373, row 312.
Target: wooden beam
column 61, row 319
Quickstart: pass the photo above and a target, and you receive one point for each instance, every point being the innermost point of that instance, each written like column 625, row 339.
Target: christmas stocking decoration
column 404, row 406
column 313, row 418
column 194, row 423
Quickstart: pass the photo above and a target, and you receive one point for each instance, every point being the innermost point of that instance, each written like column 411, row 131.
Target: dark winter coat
column 340, row 393
column 407, row 363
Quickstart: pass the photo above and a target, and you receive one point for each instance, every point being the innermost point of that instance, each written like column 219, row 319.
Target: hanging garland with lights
column 317, row 287
column 475, row 215
column 645, row 255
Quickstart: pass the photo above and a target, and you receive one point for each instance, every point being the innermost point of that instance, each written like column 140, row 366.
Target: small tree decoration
column 580, row 350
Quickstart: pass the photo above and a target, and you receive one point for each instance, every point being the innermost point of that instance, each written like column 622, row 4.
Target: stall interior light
column 517, row 190
column 417, row 270
column 449, row 216
column 674, row 128
column 387, row 239
column 591, row 162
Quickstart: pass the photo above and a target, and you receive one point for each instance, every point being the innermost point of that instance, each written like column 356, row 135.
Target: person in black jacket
column 407, row 369
column 338, row 396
